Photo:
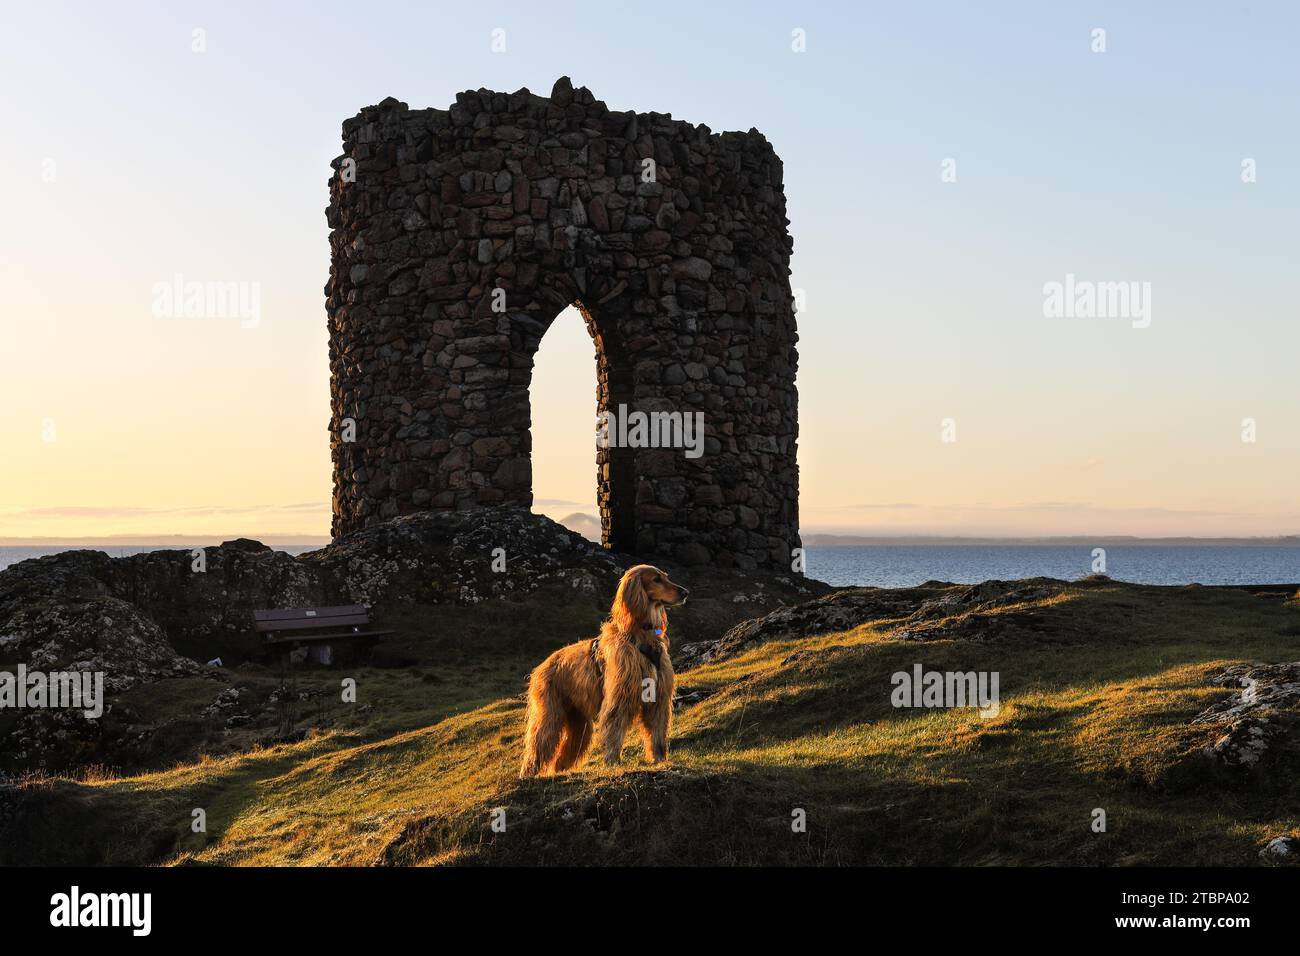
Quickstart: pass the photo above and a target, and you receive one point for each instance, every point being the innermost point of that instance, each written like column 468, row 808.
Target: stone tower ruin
column 457, row 236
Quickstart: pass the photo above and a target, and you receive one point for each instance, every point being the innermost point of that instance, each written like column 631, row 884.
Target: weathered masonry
column 459, row 235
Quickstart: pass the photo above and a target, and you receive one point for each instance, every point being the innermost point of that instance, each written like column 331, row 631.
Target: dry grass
column 1095, row 709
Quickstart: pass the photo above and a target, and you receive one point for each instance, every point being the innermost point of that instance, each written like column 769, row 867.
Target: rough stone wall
column 683, row 281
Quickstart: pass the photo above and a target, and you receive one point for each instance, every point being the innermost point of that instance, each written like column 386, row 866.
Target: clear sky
column 129, row 158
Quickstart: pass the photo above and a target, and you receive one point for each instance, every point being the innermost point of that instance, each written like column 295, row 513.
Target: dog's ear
column 631, row 603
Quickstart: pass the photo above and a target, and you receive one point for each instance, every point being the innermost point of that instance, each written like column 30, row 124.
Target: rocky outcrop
column 1281, row 851
column 984, row 611
column 204, row 603
column 985, row 596
column 931, row 611
column 104, row 635
column 154, row 617
column 96, row 635
column 458, row 235
column 462, row 557
column 1252, row 720
column 201, row 601
column 838, row 611
column 489, row 554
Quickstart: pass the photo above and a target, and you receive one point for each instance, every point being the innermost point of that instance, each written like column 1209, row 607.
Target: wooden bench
column 286, row 630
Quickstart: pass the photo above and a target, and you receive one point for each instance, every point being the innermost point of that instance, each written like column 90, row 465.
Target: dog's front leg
column 613, row 731
column 657, row 715
column 616, row 713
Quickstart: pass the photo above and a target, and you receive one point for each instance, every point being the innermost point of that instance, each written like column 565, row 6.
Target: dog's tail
column 545, row 721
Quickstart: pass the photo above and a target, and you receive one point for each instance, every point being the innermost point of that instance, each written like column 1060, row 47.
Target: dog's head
column 643, row 593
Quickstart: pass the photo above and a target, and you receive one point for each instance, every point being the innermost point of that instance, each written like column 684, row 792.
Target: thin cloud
column 893, row 507
column 134, row 511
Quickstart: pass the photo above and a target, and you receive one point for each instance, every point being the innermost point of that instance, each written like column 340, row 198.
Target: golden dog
column 621, row 675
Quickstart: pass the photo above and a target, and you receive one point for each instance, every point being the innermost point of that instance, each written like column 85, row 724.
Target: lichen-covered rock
column 463, row 557
column 202, row 599
column 1251, row 720
column 1281, row 851
column 838, row 611
column 931, row 611
column 104, row 635
column 985, row 596
column 99, row 636
column 980, row 611
column 984, row 611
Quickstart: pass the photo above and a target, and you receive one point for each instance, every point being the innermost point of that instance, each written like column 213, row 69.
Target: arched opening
column 563, row 400
column 564, row 410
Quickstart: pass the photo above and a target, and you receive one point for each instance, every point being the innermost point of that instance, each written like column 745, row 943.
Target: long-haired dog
column 621, row 676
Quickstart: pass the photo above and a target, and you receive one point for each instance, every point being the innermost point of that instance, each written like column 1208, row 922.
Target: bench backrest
column 306, row 618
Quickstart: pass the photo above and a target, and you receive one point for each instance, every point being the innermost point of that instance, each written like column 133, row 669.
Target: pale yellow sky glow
column 202, row 427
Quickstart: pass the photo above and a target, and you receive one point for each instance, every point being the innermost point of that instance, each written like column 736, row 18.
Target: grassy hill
column 1100, row 684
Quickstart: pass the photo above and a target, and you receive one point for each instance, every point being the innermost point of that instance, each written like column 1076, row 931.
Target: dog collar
column 659, row 631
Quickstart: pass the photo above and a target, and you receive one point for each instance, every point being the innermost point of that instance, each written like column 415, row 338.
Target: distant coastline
column 586, row 524
column 161, row 541
column 954, row 541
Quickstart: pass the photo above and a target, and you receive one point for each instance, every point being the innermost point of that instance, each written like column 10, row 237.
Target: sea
column 907, row 565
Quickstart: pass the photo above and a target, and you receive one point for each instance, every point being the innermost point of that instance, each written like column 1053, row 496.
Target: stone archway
column 458, row 236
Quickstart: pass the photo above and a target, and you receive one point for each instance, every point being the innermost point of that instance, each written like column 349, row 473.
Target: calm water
column 903, row 566
column 968, row 564
column 12, row 555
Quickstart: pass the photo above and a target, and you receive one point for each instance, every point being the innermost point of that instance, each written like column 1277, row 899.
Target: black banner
column 333, row 905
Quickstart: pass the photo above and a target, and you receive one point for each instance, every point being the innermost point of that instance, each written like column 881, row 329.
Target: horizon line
column 292, row 538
